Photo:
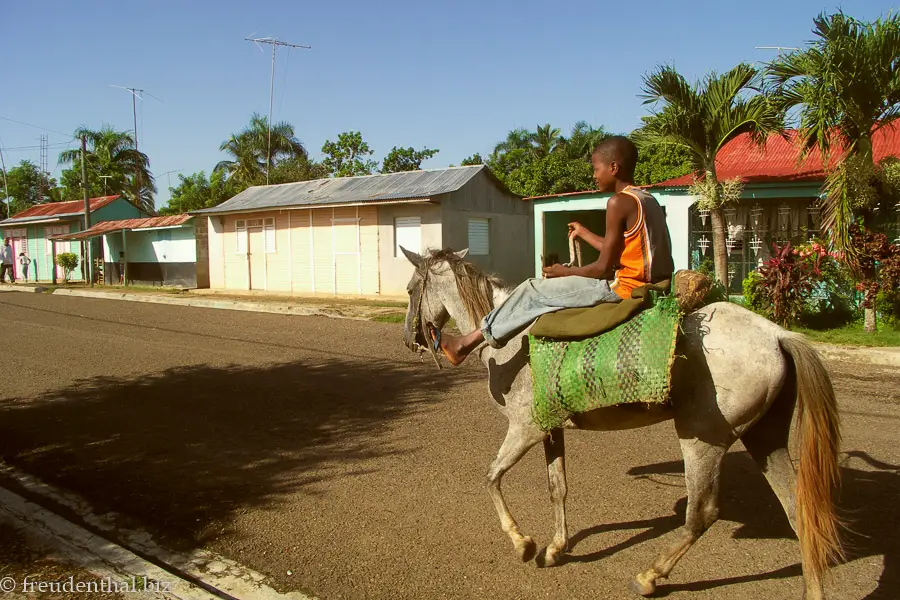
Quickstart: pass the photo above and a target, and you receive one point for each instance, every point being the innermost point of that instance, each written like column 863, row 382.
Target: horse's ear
column 462, row 253
column 412, row 257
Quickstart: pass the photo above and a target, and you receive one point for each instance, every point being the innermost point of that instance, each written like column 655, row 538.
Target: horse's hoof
column 526, row 548
column 640, row 588
column 550, row 557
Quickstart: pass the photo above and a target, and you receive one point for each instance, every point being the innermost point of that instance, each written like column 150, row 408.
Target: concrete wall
column 395, row 271
column 201, row 242
column 511, row 243
column 215, row 231
column 676, row 204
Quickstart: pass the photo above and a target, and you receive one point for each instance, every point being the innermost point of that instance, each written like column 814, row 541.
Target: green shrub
column 68, row 261
column 755, row 297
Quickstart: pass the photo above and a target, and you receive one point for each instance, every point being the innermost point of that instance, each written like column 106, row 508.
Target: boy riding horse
column 635, row 251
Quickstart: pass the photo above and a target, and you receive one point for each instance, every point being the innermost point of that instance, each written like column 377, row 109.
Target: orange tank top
column 647, row 255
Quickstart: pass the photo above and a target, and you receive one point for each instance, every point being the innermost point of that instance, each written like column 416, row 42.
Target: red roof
column 54, row 209
column 110, row 226
column 778, row 162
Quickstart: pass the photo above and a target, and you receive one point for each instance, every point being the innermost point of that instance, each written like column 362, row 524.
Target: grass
column 854, row 335
column 390, row 318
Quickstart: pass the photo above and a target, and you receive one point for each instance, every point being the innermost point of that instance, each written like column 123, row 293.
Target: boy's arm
column 580, row 231
column 613, row 244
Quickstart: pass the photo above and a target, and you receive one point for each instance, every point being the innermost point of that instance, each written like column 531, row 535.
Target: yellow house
column 343, row 235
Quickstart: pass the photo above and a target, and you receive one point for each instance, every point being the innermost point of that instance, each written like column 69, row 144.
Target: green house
column 30, row 231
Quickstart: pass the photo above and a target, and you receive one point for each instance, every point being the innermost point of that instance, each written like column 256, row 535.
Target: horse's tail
column 818, row 526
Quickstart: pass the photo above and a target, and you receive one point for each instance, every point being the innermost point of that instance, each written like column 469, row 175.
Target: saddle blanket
column 629, row 364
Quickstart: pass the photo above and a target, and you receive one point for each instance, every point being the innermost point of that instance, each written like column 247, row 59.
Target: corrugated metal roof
column 129, row 224
column 741, row 158
column 57, row 210
column 351, row 190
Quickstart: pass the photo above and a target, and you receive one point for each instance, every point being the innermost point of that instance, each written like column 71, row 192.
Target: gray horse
column 739, row 378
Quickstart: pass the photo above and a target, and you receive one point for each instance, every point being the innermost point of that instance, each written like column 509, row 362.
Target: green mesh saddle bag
column 629, row 364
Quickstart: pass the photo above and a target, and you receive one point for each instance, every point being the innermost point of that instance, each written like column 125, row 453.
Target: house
column 553, row 213
column 343, row 235
column 779, row 201
column 148, row 251
column 31, row 230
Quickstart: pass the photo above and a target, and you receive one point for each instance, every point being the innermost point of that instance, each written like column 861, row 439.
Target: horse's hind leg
column 767, row 442
column 702, row 467
column 519, row 440
column 555, row 452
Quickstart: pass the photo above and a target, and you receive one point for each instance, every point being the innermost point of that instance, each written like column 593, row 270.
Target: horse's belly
column 626, row 416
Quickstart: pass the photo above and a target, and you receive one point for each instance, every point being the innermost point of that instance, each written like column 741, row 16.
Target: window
column 479, row 237
column 407, row 233
column 270, row 236
column 241, row 231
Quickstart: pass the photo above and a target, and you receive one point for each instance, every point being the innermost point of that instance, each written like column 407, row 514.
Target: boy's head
column 21, row 254
column 614, row 159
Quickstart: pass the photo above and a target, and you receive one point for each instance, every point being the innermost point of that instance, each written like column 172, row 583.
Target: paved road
column 322, row 447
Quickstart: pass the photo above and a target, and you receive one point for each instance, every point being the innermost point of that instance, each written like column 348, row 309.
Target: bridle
column 417, row 324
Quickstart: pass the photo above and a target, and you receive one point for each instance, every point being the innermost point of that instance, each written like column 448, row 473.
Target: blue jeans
column 535, row 297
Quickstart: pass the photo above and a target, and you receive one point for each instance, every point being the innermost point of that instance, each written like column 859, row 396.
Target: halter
column 417, row 324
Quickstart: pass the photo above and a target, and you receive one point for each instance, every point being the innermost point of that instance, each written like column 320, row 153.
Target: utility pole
column 105, row 182
column 5, row 182
column 87, row 267
column 136, row 94
column 274, row 43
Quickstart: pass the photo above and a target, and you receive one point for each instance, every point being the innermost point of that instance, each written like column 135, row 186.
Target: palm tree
column 545, row 140
column 846, row 84
column 252, row 146
column 111, row 152
column 582, row 141
column 245, row 168
column 702, row 118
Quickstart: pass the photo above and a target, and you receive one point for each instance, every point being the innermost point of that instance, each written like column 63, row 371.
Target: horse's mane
column 475, row 287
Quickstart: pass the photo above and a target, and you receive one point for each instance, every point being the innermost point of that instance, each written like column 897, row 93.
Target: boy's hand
column 555, row 271
column 576, row 230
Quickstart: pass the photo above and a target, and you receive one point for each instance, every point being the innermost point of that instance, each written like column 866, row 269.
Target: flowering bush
column 788, row 280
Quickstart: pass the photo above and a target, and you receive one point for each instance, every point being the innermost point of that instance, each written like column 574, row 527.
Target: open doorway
column 556, row 234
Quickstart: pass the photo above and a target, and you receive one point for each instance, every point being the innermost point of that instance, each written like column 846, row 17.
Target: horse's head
column 442, row 286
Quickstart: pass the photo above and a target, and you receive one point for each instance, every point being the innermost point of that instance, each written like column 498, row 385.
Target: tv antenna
column 274, row 43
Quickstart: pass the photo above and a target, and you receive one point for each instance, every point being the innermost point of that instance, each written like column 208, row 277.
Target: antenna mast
column 274, row 43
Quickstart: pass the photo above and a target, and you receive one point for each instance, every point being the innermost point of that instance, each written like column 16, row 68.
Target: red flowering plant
column 788, row 279
column 877, row 263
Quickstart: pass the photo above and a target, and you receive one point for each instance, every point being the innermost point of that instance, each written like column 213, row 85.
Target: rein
column 418, row 326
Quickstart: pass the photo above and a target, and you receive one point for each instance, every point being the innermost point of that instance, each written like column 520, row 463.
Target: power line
column 274, row 43
column 69, row 135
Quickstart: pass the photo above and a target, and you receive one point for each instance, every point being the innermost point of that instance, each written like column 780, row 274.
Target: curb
column 885, row 357
column 97, row 555
column 100, row 554
column 8, row 287
column 280, row 309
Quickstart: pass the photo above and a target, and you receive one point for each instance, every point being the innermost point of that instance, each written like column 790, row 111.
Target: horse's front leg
column 520, row 439
column 555, row 452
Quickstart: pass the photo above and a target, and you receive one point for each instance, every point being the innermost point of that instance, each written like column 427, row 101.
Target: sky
column 452, row 76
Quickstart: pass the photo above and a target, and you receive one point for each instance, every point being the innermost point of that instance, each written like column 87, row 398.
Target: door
column 346, row 256
column 19, row 245
column 257, row 258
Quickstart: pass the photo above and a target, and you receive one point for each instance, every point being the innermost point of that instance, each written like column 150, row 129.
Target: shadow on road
column 868, row 501
column 183, row 451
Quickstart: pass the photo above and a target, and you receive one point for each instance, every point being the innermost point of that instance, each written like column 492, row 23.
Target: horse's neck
column 460, row 315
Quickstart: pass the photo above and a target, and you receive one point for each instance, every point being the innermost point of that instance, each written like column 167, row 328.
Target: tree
column 346, row 157
column 113, row 153
column 299, row 168
column 405, row 159
column 27, row 187
column 702, row 118
column 69, row 262
column 195, row 192
column 846, row 85
column 475, row 159
column 250, row 157
column 545, row 140
column 660, row 162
